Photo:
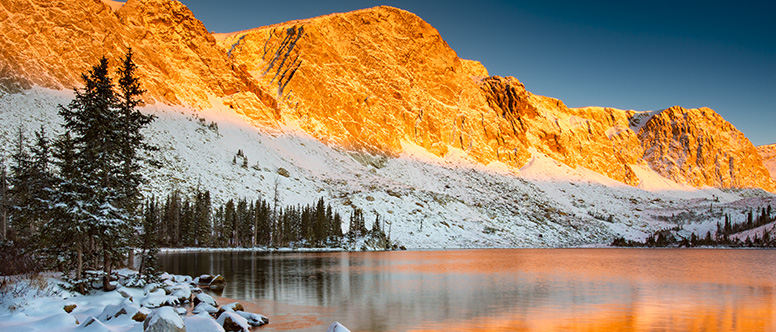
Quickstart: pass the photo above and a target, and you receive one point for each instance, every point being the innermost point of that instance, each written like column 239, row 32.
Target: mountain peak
column 375, row 79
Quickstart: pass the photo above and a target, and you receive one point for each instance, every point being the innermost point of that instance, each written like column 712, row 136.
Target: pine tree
column 42, row 180
column 4, row 205
column 202, row 216
column 171, row 219
column 20, row 192
column 105, row 130
column 149, row 265
column 130, row 139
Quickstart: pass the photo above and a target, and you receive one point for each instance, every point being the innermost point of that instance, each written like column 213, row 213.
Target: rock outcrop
column 768, row 153
column 373, row 79
column 698, row 147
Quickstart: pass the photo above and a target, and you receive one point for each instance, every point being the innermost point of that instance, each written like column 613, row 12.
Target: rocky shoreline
column 43, row 302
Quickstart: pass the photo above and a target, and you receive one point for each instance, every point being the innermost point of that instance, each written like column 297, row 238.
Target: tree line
column 720, row 237
column 191, row 220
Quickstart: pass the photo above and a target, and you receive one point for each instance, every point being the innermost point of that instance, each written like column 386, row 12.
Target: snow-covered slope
column 429, row 201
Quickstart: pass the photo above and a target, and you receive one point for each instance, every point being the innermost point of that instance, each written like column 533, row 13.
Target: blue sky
column 643, row 55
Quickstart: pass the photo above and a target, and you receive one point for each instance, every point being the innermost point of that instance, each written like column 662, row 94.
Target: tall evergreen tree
column 67, row 232
column 20, row 192
column 105, row 129
column 130, row 140
column 42, row 180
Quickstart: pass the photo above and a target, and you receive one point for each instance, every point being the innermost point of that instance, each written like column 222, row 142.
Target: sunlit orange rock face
column 50, row 43
column 768, row 153
column 371, row 79
column 376, row 77
column 699, row 147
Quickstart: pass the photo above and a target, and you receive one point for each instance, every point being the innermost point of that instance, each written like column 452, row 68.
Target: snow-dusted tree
column 202, row 218
column 20, row 191
column 105, row 129
column 89, row 118
column 4, row 205
column 149, row 262
column 66, row 235
column 130, row 139
column 42, row 178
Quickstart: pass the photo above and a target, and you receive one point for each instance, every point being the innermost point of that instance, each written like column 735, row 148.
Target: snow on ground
column 425, row 201
column 40, row 303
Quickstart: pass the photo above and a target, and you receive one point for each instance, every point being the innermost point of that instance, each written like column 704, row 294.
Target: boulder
column 202, row 297
column 141, row 315
column 337, row 327
column 157, row 299
column 253, row 319
column 130, row 310
column 205, row 308
column 217, row 282
column 69, row 307
column 230, row 307
column 182, row 295
column 92, row 324
column 164, row 319
column 149, row 288
column 204, row 279
column 110, row 312
column 231, row 321
column 181, row 279
column 202, row 323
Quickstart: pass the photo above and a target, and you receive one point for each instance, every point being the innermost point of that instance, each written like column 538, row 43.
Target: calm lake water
column 500, row 289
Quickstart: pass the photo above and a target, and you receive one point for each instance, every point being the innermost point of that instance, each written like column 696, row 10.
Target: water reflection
column 501, row 290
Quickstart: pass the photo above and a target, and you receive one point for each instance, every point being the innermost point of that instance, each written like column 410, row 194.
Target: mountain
column 378, row 77
column 372, row 109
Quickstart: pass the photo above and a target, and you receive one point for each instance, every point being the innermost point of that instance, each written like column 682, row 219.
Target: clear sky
column 643, row 55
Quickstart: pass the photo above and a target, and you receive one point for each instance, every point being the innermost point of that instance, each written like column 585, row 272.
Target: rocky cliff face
column 768, row 153
column 50, row 43
column 699, row 147
column 371, row 79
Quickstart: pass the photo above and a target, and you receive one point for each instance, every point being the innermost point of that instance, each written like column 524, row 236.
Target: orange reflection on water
column 756, row 314
column 510, row 290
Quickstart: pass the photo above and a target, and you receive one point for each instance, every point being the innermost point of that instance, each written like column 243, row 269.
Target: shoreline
column 332, row 250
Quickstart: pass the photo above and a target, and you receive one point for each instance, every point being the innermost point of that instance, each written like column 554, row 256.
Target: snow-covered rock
column 202, row 297
column 164, row 319
column 236, row 306
column 205, row 308
column 212, row 281
column 337, row 327
column 202, row 323
column 157, row 299
column 93, row 324
column 182, row 294
column 128, row 311
column 231, row 321
column 253, row 319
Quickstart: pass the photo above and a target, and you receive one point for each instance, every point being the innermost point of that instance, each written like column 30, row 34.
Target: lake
column 500, row 289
